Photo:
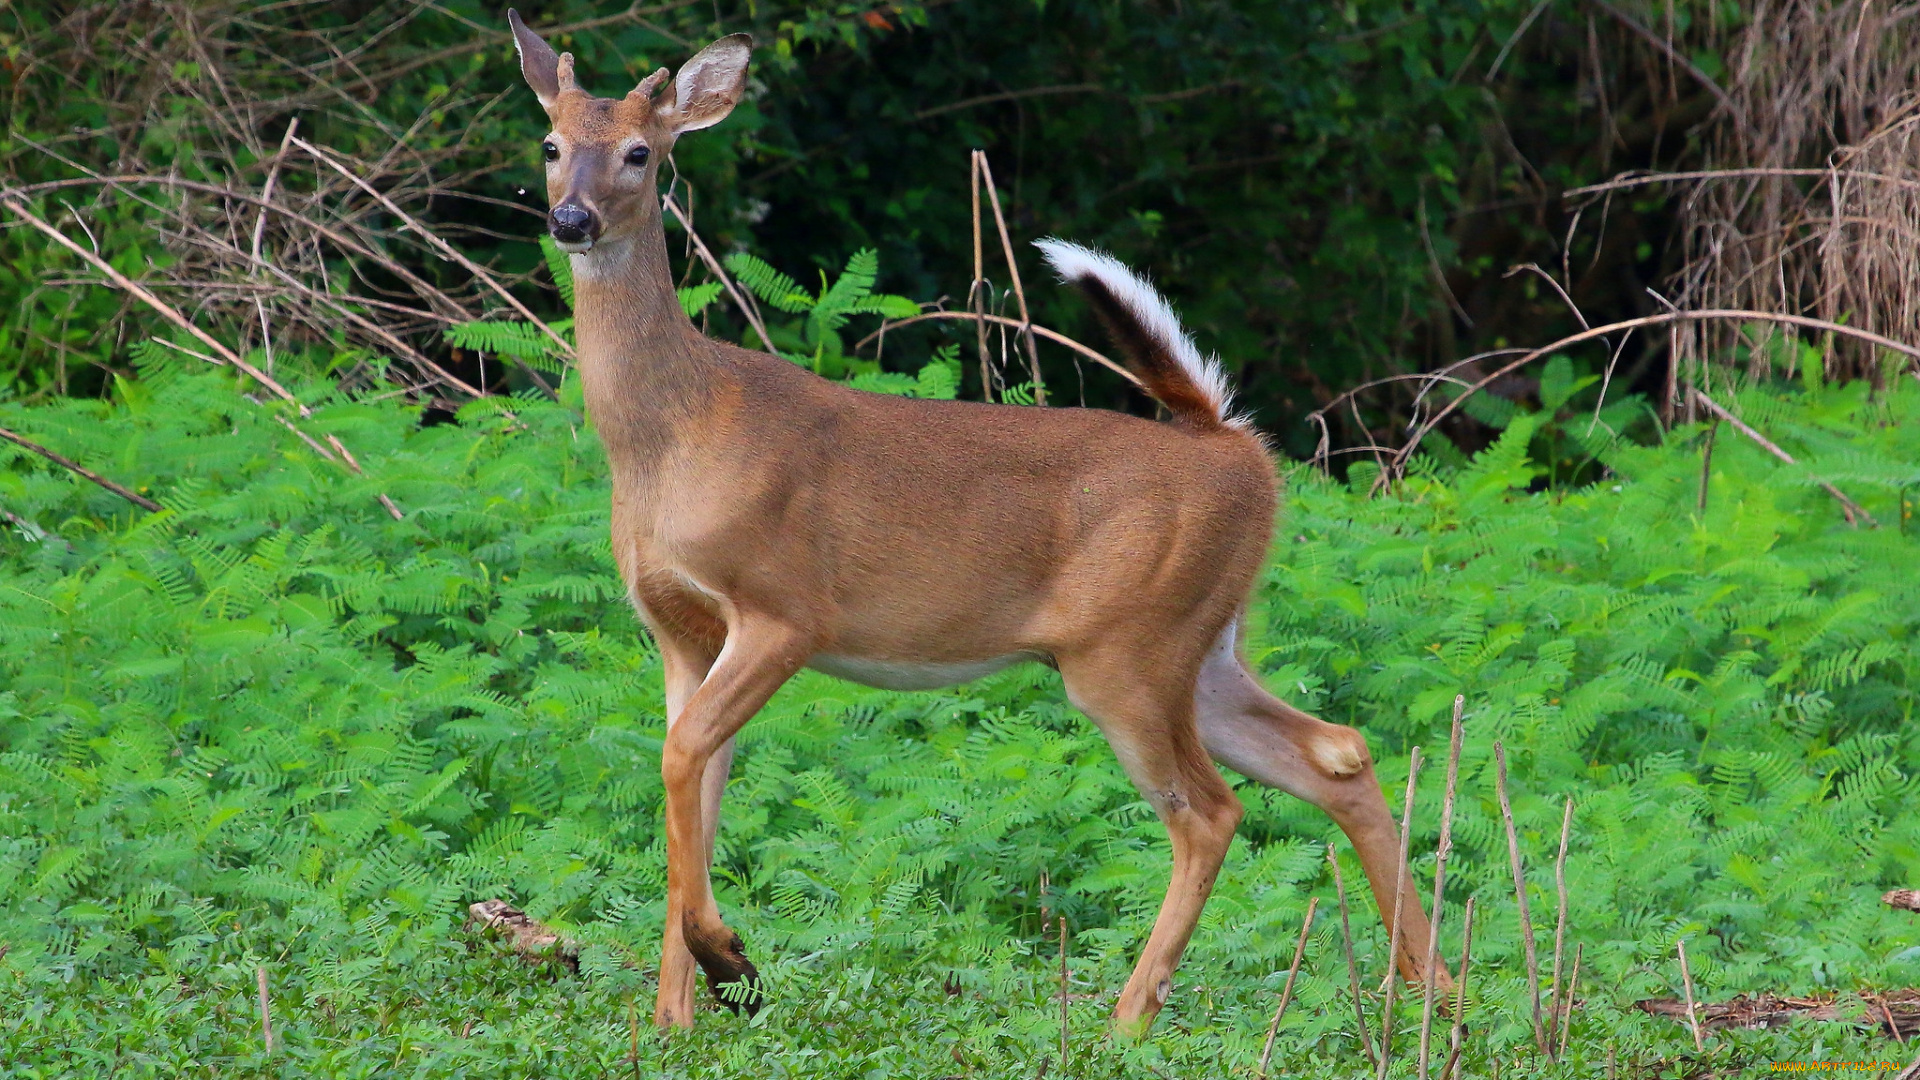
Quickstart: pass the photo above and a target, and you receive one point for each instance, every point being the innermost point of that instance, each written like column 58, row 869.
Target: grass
column 272, row 728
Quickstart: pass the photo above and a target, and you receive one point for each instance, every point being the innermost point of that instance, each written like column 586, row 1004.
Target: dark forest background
column 1331, row 192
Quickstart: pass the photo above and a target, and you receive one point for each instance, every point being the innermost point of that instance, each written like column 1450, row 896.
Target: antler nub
column 564, row 73
column 649, row 85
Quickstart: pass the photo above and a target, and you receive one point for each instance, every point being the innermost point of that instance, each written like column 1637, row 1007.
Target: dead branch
column 81, row 471
column 1013, row 271
column 165, row 310
column 1001, row 320
column 1628, row 180
column 1665, row 318
column 1866, row 1011
column 1851, row 508
column 433, row 240
column 1673, row 55
column 747, row 310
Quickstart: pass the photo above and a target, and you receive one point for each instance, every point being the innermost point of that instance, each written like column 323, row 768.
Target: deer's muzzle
column 574, row 228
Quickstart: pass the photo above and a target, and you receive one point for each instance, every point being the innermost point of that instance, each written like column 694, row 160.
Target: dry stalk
column 1560, row 920
column 1063, row 993
column 1520, row 893
column 977, row 288
column 1399, row 907
column 1001, row 320
column 84, row 473
column 633, row 1035
column 1706, row 469
column 1286, row 993
column 1353, row 969
column 1851, row 509
column 1419, row 431
column 1460, row 995
column 1693, row 1010
column 434, row 241
column 266, row 1017
column 1013, row 271
column 266, row 189
column 1826, row 90
column 1440, row 881
column 737, row 295
column 1566, row 1011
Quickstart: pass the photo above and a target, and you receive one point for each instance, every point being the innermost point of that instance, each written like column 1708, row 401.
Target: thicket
column 270, row 725
column 1321, row 187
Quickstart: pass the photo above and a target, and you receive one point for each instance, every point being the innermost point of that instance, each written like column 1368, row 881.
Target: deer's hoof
column 731, row 977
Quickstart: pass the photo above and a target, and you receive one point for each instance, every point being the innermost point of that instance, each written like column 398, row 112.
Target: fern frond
column 769, row 284
column 560, row 265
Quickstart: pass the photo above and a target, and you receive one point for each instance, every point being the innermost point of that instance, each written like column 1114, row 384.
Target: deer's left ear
column 709, row 85
column 538, row 63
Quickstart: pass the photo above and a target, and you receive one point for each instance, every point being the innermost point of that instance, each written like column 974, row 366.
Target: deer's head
column 604, row 154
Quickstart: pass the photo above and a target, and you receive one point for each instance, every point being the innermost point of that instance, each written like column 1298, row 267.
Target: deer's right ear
column 538, row 62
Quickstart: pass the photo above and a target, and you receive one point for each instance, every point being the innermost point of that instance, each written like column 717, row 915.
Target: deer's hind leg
column 1145, row 710
column 1261, row 737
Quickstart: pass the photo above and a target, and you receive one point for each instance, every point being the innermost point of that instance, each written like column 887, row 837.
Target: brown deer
column 766, row 519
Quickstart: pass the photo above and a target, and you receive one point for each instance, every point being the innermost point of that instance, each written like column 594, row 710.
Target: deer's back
column 959, row 530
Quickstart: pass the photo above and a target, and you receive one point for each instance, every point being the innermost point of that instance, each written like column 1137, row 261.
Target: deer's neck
column 646, row 372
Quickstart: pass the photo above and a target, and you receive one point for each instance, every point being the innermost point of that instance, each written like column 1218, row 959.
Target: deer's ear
column 709, row 85
column 538, row 63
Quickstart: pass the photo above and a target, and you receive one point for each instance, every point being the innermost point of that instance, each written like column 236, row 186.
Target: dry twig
column 1353, row 969
column 1399, row 907
column 1520, row 893
column 1848, row 506
column 1560, row 920
column 1460, row 994
column 77, row 469
column 1686, row 982
column 1001, row 320
column 1420, row 430
column 1440, row 880
column 1286, row 993
column 266, row 1017
column 1013, row 271
column 1566, row 1011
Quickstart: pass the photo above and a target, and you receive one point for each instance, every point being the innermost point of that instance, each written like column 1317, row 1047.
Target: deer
column 765, row 520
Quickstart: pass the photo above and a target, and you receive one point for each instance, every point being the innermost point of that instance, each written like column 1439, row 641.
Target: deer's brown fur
column 766, row 519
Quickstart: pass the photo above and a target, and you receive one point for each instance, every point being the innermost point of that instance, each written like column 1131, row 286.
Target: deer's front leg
column 686, row 664
column 760, row 655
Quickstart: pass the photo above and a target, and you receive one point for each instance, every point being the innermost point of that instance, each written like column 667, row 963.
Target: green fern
column 560, row 265
column 768, row 284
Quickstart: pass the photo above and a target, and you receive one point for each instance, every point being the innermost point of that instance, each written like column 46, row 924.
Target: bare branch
column 81, row 471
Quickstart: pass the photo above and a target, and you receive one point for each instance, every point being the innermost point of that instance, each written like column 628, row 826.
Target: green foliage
column 823, row 316
column 270, row 725
column 1269, row 161
column 814, row 341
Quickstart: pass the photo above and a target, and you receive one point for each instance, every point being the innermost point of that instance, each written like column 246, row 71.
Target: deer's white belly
column 913, row 674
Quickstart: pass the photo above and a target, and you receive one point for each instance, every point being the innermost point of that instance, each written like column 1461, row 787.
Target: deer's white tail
column 1152, row 343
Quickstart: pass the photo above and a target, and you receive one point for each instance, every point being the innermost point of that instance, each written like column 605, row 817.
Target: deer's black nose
column 572, row 224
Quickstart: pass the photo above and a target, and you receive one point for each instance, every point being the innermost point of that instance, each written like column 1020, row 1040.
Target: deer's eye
column 551, row 151
column 637, row 156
